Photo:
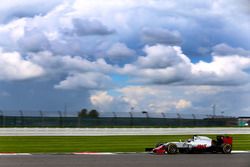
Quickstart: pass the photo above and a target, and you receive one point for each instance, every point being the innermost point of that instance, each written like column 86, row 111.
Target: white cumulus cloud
column 120, row 52
column 182, row 104
column 168, row 65
column 15, row 67
column 101, row 99
column 88, row 80
column 161, row 35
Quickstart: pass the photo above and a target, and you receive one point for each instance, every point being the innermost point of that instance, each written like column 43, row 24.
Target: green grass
column 61, row 144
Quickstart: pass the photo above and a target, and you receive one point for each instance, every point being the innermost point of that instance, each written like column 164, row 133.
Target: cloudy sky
column 154, row 55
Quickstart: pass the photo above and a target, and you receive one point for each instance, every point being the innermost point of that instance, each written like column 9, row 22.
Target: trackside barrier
column 117, row 131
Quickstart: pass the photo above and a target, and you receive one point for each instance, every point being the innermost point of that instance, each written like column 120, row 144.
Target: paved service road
column 127, row 160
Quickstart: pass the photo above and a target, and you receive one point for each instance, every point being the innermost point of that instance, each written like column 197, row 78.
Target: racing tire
column 226, row 148
column 171, row 148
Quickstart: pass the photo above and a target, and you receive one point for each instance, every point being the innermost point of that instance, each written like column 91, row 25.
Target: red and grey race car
column 196, row 144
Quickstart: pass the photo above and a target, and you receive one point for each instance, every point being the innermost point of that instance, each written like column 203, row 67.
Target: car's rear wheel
column 226, row 148
column 172, row 148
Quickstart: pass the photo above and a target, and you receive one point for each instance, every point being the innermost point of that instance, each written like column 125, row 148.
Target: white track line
column 94, row 153
column 15, row 154
column 240, row 151
column 106, row 153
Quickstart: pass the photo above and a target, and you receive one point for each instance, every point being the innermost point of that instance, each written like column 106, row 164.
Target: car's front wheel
column 172, row 148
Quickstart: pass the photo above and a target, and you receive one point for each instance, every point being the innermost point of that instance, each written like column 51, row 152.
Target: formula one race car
column 196, row 144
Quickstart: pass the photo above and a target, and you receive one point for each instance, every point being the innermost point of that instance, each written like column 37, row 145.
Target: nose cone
column 159, row 150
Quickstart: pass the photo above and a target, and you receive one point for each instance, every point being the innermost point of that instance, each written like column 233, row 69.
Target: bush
column 91, row 114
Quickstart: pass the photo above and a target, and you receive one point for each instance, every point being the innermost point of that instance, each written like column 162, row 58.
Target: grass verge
column 61, row 144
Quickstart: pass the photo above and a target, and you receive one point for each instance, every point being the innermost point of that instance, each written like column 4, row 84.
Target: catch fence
column 112, row 119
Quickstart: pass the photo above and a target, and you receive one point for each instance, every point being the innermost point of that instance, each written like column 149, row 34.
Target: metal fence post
column 164, row 117
column 21, row 117
column 42, row 118
column 60, row 119
column 78, row 120
column 179, row 118
column 131, row 119
column 2, row 118
column 114, row 118
column 194, row 120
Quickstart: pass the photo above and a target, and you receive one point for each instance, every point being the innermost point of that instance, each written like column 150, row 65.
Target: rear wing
column 225, row 140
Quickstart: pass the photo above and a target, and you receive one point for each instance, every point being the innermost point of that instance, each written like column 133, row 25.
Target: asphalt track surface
column 127, row 160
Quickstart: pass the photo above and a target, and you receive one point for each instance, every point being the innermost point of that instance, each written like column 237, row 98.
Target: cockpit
column 195, row 137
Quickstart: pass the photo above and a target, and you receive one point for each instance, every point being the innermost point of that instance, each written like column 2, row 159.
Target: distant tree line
column 84, row 113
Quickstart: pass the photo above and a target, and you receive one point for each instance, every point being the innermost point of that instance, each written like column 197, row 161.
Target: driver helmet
column 194, row 137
